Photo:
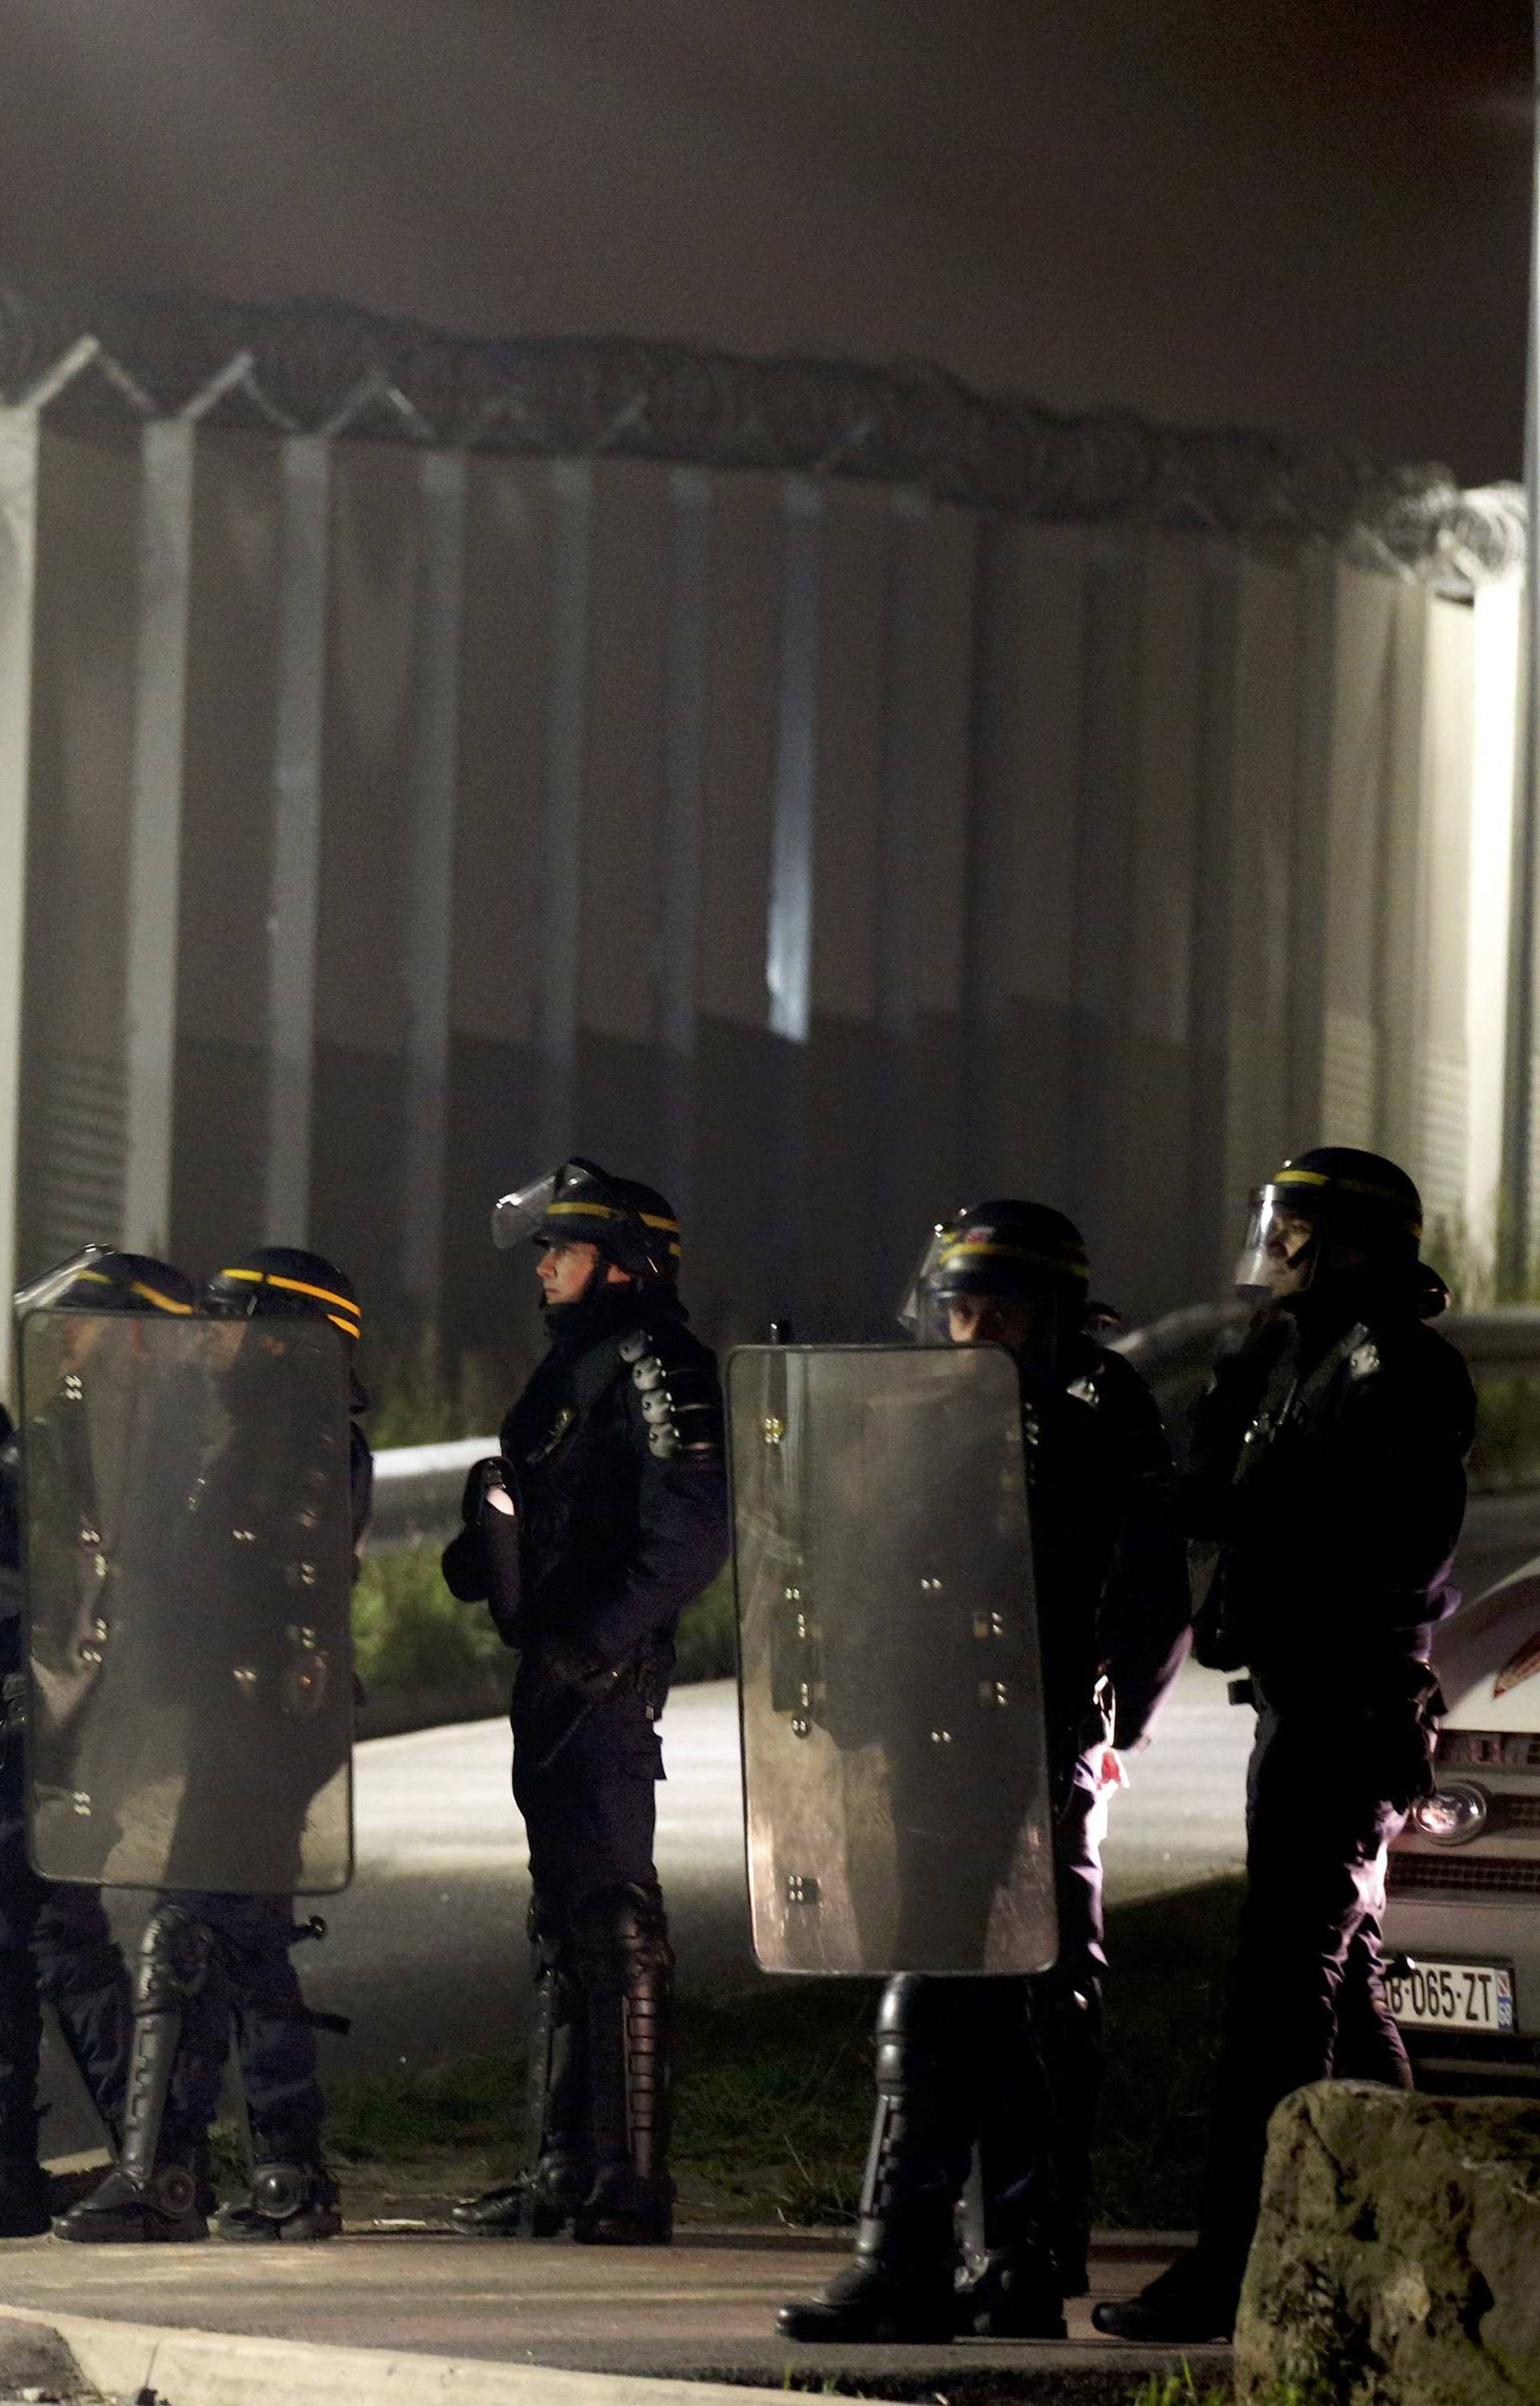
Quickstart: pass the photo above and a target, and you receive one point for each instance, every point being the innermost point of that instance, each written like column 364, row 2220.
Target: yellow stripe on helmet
column 964, row 1247
column 301, row 1286
column 136, row 1286
column 611, row 1211
column 1349, row 1186
column 161, row 1302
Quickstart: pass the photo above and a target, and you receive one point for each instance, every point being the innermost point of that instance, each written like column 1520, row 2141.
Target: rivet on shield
column 74, row 1392
column 994, row 1691
column 80, row 1804
column 90, row 1653
column 244, row 1678
column 90, row 1537
column 100, row 1567
column 800, row 1728
column 792, row 1595
column 801, row 1888
column 774, row 1430
column 244, row 1537
column 989, row 1624
column 930, row 1587
column 940, row 1737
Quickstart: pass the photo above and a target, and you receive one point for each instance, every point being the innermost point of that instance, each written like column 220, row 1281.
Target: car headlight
column 1450, row 1815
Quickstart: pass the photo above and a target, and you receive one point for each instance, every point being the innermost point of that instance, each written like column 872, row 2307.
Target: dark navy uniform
column 54, row 1941
column 1349, row 1436
column 1006, row 2072
column 1325, row 1498
column 614, row 1458
column 213, row 1963
column 251, row 1992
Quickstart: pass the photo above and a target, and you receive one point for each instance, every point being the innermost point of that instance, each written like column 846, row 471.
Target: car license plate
column 1452, row 1996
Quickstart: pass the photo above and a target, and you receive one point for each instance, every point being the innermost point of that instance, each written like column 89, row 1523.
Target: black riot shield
column 896, row 1776
column 187, row 1564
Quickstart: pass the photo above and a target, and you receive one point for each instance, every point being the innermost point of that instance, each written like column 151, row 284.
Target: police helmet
column 632, row 1225
column 285, row 1280
column 100, row 1278
column 1008, row 1250
column 1323, row 1210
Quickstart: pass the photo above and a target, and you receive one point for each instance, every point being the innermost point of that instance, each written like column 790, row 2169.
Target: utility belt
column 1382, row 1719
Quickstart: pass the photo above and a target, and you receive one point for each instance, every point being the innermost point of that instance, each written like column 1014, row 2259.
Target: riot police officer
column 214, row 1961
column 604, row 1515
column 1325, row 1499
column 1011, row 2067
column 54, row 1939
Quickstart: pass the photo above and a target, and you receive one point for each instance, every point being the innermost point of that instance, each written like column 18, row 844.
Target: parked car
column 1462, row 1923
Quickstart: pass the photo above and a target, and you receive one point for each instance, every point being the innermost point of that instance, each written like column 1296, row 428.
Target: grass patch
column 773, row 2096
column 1165, row 1997
column 1181, row 2389
column 409, row 1633
column 706, row 1641
column 420, row 1395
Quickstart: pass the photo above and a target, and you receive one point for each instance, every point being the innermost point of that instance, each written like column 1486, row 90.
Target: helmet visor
column 517, row 1218
column 921, row 1312
column 1277, row 1256
column 44, row 1293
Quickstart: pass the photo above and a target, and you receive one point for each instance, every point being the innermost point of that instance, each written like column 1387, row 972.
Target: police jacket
column 614, row 1454
column 1328, row 1471
column 1111, row 1575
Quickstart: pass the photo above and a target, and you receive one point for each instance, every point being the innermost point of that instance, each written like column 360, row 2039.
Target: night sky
column 1302, row 214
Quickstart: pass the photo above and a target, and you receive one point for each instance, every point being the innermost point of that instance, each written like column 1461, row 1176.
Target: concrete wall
column 395, row 822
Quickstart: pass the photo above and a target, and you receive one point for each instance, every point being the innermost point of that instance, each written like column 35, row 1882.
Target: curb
column 197, row 2368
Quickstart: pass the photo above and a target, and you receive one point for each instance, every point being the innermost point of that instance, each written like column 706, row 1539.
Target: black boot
column 1193, row 2299
column 540, row 2201
column 290, row 2197
column 155, row 2192
column 898, row 2291
column 125, row 2207
column 900, row 2287
column 23, row 2197
column 1016, row 2293
column 626, row 1963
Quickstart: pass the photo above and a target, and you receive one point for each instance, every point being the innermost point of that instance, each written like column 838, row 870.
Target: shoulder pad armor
column 681, row 1399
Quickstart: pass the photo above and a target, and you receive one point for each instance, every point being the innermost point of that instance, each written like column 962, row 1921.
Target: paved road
column 426, row 1950
column 424, row 1946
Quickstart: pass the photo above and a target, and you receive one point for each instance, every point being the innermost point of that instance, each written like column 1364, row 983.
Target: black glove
column 565, row 1666
column 480, row 1565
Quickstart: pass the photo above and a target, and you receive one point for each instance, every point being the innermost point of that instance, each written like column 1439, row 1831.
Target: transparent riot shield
column 898, row 1814
column 187, row 1562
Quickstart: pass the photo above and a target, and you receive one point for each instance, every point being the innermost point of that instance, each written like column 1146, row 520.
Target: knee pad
column 917, row 2032
column 628, row 1927
column 173, row 1959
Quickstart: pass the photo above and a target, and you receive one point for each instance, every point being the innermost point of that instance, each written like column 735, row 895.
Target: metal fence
column 418, row 1488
